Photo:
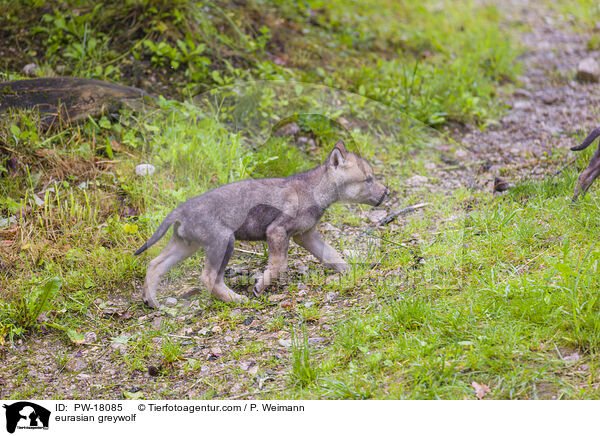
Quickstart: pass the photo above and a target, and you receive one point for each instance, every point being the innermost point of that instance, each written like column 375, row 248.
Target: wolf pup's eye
column 369, row 179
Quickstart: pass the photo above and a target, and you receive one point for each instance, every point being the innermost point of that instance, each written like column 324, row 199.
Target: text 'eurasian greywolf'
column 262, row 209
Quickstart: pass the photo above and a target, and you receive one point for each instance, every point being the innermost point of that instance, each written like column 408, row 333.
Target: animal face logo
column 26, row 415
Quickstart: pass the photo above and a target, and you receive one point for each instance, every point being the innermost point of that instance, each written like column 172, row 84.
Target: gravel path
column 549, row 110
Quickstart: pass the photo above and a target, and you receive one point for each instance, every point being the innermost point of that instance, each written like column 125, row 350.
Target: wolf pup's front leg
column 316, row 245
column 278, row 242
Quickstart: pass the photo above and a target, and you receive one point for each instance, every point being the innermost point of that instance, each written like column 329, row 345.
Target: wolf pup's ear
column 338, row 154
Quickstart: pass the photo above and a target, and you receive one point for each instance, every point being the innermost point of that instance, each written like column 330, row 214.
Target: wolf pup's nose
column 383, row 196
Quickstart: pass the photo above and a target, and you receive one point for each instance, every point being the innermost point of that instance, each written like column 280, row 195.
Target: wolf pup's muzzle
column 385, row 194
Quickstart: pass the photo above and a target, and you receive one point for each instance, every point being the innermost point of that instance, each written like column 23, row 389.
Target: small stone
column 38, row 201
column 302, row 293
column 276, row 297
column 171, row 301
column 5, row 222
column 30, row 70
column 327, row 227
column 216, row 351
column 145, row 169
column 588, row 70
column 309, row 304
column 522, row 93
column 461, row 154
column 285, row 342
column 121, row 348
column 300, row 266
column 376, row 215
column 157, row 322
column 246, row 365
column 288, row 129
column 549, row 98
column 521, row 105
column 90, row 337
column 76, row 365
column 330, row 296
column 572, row 357
column 417, row 180
column 228, row 339
column 316, row 340
column 216, row 329
column 248, row 321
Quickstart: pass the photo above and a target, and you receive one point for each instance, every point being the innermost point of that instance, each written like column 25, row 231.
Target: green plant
column 303, row 369
column 23, row 313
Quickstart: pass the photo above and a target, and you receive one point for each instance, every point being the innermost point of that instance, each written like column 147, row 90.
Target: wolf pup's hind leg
column 218, row 253
column 176, row 250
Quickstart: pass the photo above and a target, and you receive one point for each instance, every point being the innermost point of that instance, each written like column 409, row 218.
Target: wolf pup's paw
column 151, row 302
column 254, row 290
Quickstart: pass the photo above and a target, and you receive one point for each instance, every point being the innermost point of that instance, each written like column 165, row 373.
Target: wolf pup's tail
column 159, row 233
column 588, row 140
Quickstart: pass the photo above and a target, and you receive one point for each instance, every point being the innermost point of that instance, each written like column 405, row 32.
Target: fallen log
column 69, row 98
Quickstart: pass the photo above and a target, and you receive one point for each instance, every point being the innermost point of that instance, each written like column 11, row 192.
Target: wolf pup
column 272, row 209
column 587, row 177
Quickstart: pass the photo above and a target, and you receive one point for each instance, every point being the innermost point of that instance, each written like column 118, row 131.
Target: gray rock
column 548, row 97
column 76, row 365
column 461, row 154
column 316, row 340
column 171, row 301
column 245, row 365
column 376, row 215
column 572, row 357
column 521, row 105
column 300, row 266
column 330, row 296
column 588, row 70
column 417, row 180
column 5, row 222
column 30, row 70
column 90, row 337
column 285, row 342
column 145, row 169
column 157, row 322
column 522, row 93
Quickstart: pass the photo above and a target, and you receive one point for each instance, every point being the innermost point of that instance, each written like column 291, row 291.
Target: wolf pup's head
column 353, row 177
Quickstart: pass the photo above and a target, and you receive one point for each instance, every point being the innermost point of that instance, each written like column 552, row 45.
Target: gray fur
column 587, row 177
column 274, row 210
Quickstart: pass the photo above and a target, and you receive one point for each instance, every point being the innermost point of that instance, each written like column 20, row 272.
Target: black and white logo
column 26, row 415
